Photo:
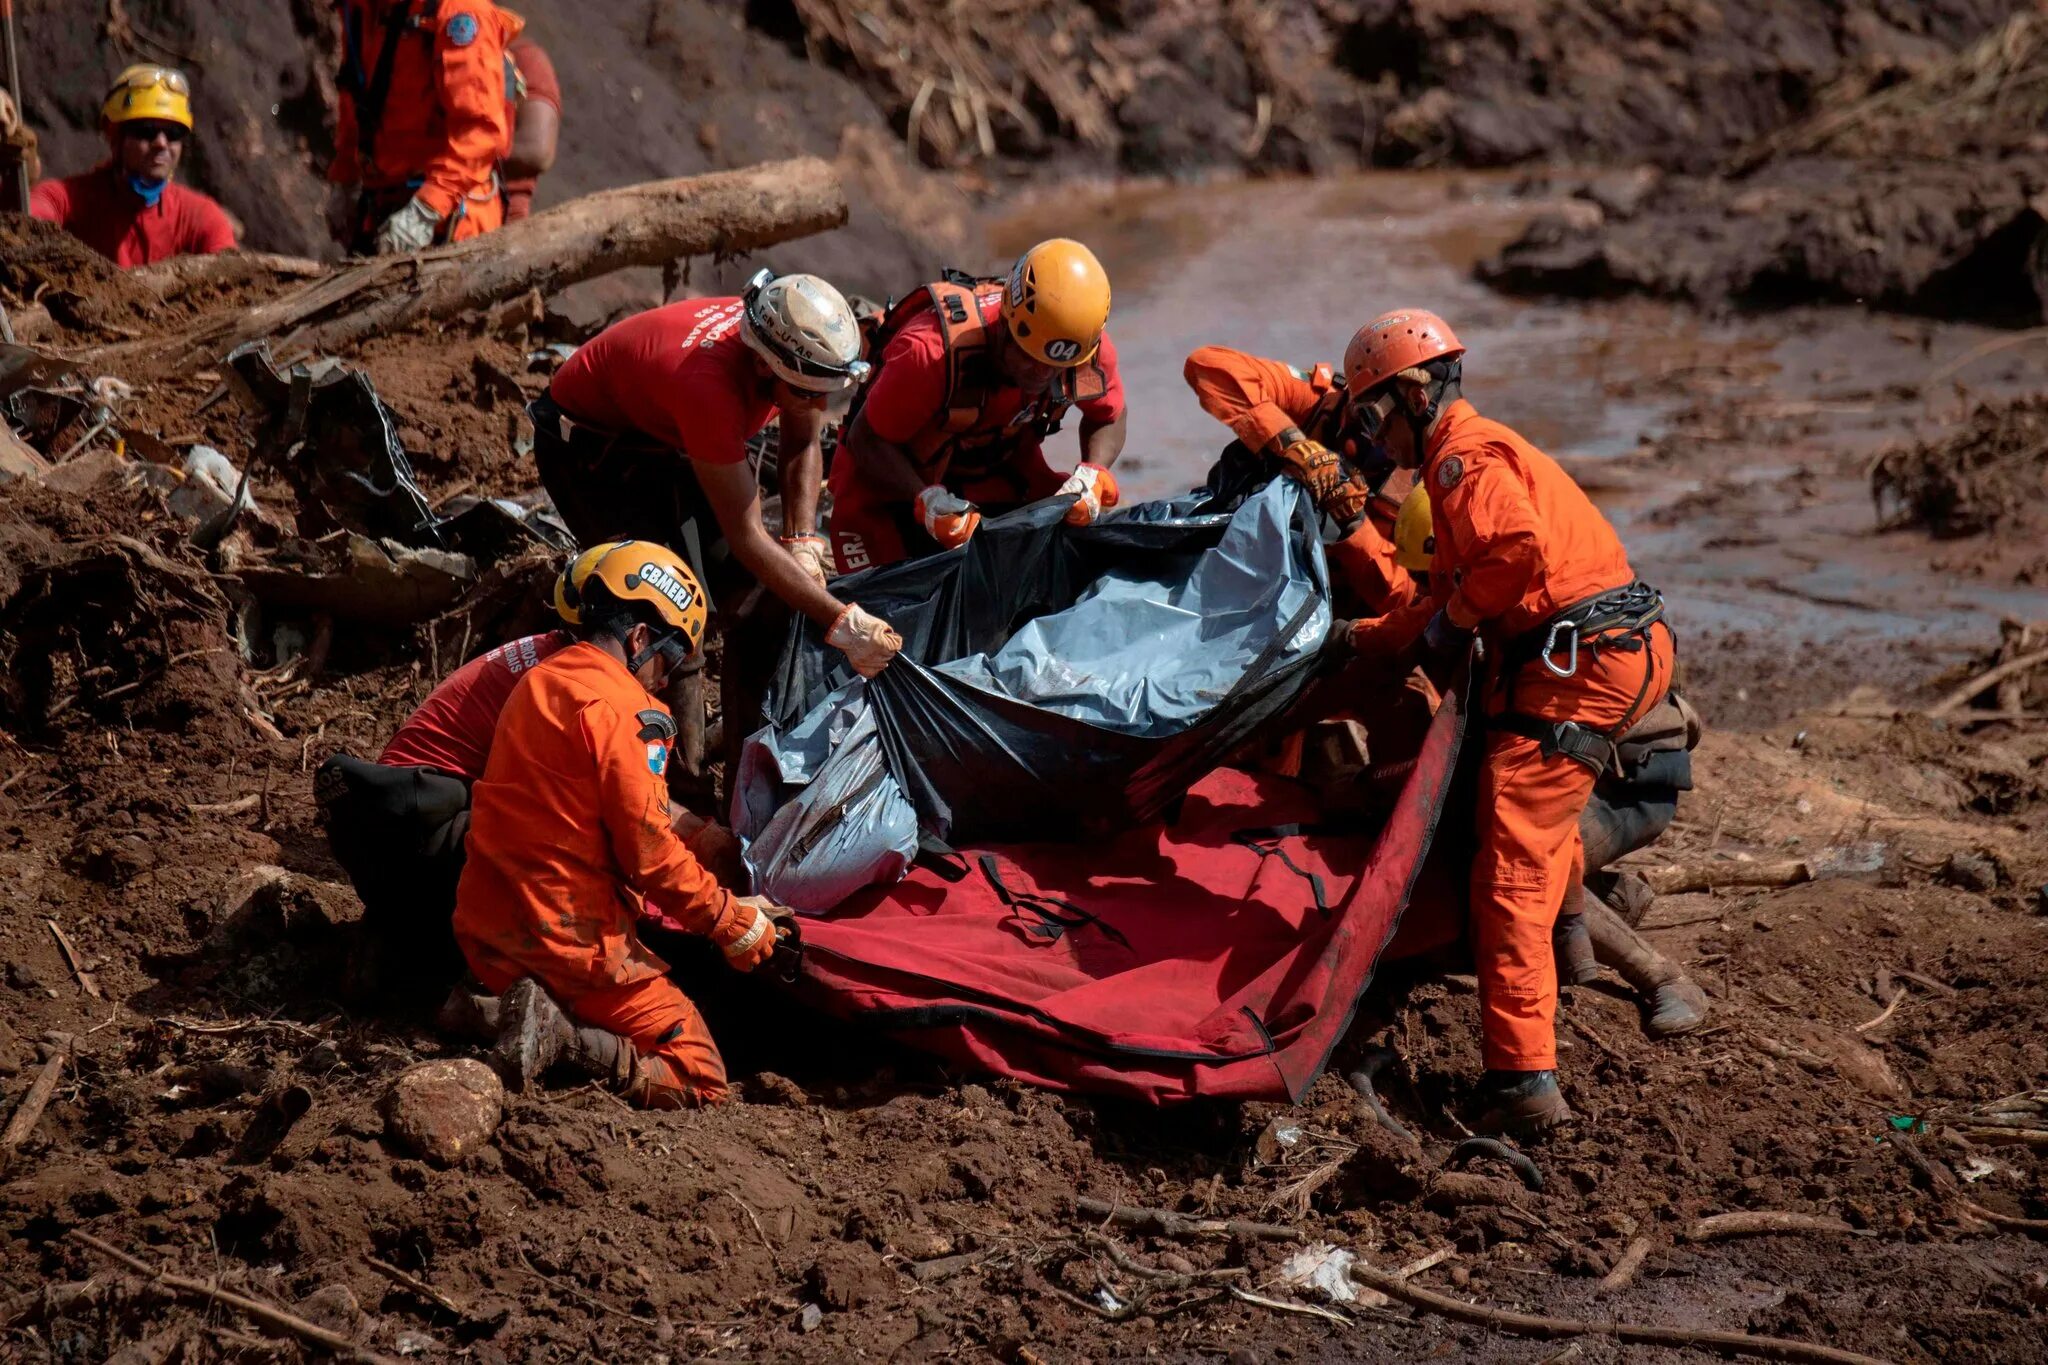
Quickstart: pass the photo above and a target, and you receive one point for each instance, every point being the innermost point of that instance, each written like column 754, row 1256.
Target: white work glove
column 1097, row 489
column 868, row 641
column 949, row 518
column 814, row 553
column 412, row 228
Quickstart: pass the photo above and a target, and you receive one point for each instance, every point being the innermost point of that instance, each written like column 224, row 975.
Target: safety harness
column 949, row 446
column 370, row 88
column 1619, row 619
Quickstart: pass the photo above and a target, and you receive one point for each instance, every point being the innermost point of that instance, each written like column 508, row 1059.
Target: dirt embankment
column 1987, row 483
column 1912, row 187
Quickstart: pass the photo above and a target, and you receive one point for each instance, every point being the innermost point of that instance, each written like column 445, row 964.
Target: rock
column 1970, row 871
column 22, row 977
column 808, row 1320
column 443, row 1111
column 768, row 1088
column 849, row 1277
column 334, row 1307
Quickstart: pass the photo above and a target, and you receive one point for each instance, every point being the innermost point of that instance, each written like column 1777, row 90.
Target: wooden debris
column 1631, row 1261
column 1991, row 677
column 1530, row 1325
column 407, row 1280
column 210, row 1291
column 1182, row 1227
column 1761, row 1222
column 33, row 1104
column 86, row 982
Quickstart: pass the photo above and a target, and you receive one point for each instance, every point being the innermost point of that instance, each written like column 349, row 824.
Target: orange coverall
column 569, row 821
column 445, row 124
column 1517, row 542
column 1258, row 399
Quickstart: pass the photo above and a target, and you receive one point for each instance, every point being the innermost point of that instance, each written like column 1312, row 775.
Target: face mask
column 148, row 191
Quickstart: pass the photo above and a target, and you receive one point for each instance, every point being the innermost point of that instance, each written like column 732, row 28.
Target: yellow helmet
column 1415, row 532
column 635, row 571
column 145, row 91
column 1056, row 303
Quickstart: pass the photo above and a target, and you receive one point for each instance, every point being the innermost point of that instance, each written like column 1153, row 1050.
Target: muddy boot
column 1672, row 1004
column 1625, row 893
column 1520, row 1104
column 469, row 1012
column 532, row 1032
column 1572, row 945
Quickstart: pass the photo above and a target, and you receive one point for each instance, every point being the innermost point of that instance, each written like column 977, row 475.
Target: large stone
column 443, row 1111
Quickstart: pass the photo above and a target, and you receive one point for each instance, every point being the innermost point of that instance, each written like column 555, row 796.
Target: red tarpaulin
column 1172, row 962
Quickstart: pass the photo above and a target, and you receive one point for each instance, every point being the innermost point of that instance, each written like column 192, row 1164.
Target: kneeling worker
column 570, row 827
column 972, row 376
column 1577, row 653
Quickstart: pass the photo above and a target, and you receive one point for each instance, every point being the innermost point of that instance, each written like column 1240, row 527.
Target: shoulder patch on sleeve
column 461, row 29
column 1449, row 472
column 656, row 725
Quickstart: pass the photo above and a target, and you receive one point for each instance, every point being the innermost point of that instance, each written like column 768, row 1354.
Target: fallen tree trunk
column 638, row 225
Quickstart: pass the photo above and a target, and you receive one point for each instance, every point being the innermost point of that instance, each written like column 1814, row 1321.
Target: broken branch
column 1631, row 1261
column 71, row 959
column 1990, row 677
column 32, row 1105
column 1529, row 1325
column 257, row 1311
column 1181, row 1227
column 1760, row 1222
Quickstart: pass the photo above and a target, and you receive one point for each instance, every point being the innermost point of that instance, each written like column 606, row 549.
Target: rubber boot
column 534, row 1034
column 1673, row 1005
column 1625, row 893
column 1521, row 1104
column 1572, row 945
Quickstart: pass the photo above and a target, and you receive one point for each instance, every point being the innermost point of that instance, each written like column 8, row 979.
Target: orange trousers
column 681, row 1063
column 1530, row 851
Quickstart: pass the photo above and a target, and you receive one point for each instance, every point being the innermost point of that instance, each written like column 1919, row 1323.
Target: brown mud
column 858, row 1199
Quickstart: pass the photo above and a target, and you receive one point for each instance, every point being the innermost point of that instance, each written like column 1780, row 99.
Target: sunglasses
column 144, row 131
column 143, row 77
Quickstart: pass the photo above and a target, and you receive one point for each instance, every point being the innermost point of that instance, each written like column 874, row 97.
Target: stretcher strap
column 1266, row 842
column 1042, row 917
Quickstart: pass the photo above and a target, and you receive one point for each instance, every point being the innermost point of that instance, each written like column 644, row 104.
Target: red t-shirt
column 99, row 209
column 451, row 731
column 538, row 72
column 911, row 388
column 679, row 374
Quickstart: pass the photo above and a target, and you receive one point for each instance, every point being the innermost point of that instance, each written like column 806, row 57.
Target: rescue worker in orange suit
column 644, row 431
column 973, row 375
column 536, row 111
column 130, row 208
column 423, row 121
column 569, row 831
column 398, row 826
column 1576, row 652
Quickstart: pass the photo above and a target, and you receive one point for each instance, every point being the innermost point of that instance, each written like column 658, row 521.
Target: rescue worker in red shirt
column 643, row 433
column 130, row 208
column 569, row 832
column 973, row 375
column 423, row 121
column 536, row 110
column 1576, row 654
column 397, row 826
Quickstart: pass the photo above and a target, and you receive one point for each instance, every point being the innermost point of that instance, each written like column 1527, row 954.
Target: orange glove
column 1315, row 467
column 1096, row 488
column 949, row 518
column 1348, row 503
column 754, row 944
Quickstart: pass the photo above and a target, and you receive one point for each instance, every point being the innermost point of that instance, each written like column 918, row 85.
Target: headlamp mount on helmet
column 761, row 331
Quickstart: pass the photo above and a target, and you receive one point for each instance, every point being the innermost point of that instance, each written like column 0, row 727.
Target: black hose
column 1493, row 1147
column 1361, row 1080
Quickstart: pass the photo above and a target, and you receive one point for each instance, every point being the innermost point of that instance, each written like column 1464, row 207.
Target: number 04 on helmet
column 1056, row 303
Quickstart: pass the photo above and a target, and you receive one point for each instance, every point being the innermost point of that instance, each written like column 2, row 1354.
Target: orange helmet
column 1393, row 342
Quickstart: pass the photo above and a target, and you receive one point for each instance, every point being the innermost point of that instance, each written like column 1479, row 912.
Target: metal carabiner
column 1571, row 667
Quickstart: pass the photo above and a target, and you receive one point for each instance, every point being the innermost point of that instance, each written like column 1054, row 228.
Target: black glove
column 1443, row 647
column 1337, row 649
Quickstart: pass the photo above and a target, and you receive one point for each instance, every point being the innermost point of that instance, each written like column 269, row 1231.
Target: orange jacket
column 445, row 124
column 571, row 816
column 1258, row 399
column 1516, row 540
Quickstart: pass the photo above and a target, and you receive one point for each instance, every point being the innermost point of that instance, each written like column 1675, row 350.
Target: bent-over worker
column 1576, row 654
column 570, row 831
column 130, row 208
column 971, row 377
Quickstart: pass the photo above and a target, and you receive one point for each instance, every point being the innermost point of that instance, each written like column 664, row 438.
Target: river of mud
column 1730, row 450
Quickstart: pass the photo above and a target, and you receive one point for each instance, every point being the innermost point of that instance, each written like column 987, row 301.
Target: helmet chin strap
column 668, row 645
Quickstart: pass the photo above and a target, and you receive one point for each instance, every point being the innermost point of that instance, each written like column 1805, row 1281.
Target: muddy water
column 1290, row 270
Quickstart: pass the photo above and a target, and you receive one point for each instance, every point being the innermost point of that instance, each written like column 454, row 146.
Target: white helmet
column 804, row 329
